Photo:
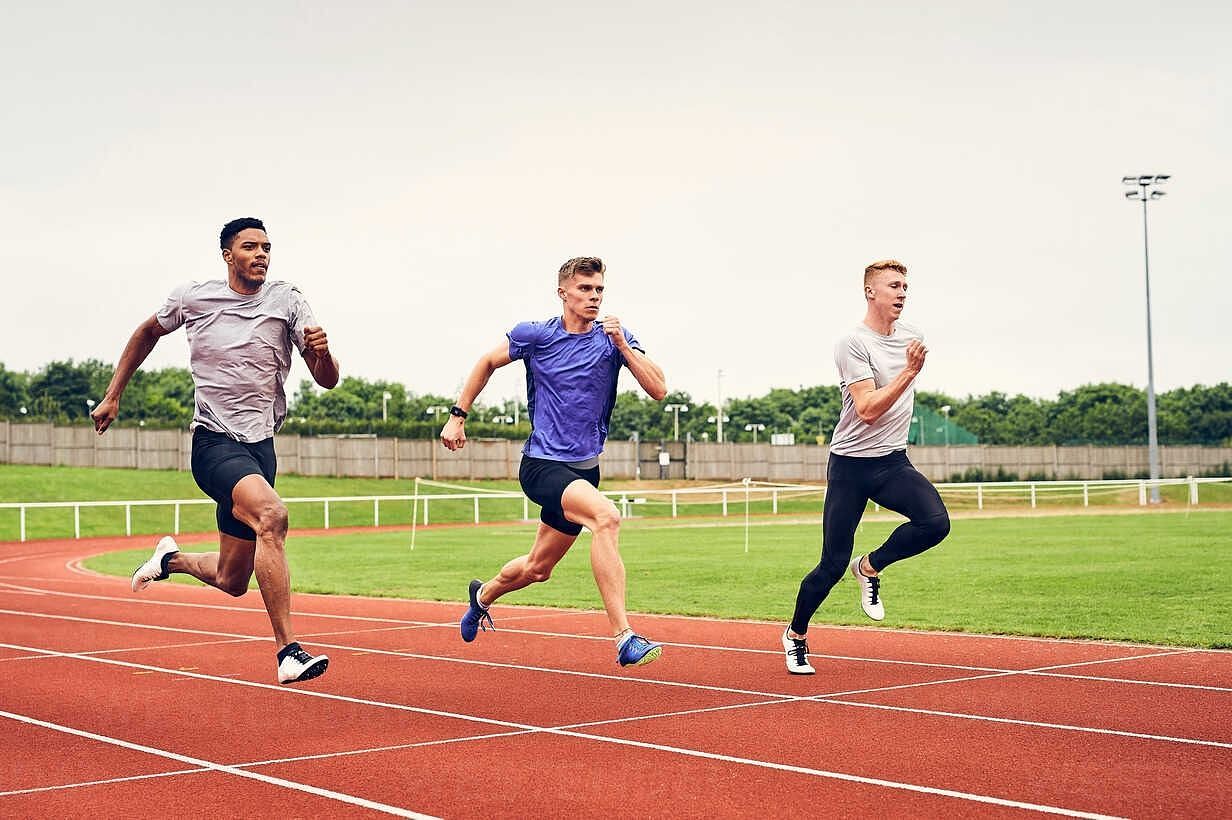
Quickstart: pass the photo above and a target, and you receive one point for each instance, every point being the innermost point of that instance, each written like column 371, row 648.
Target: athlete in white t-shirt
column 241, row 333
column 877, row 365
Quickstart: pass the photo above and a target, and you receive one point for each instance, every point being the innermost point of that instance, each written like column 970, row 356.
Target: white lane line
column 107, row 782
column 220, row 767
column 775, row 696
column 764, row 764
column 708, row 647
column 780, row 696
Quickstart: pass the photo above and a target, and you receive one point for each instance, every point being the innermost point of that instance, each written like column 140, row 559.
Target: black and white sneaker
column 155, row 568
column 796, row 650
column 294, row 664
column 870, row 591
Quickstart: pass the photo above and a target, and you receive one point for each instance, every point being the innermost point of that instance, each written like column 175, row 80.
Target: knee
column 235, row 587
column 538, row 572
column 608, row 519
column 272, row 519
column 936, row 527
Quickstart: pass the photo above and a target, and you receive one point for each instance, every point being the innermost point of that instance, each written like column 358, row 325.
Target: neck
column 573, row 323
column 237, row 283
column 879, row 322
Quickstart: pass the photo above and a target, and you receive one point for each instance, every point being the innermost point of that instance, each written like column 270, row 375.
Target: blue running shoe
column 635, row 650
column 476, row 615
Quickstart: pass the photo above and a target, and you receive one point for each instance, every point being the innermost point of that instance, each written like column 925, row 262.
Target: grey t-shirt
column 239, row 350
column 866, row 354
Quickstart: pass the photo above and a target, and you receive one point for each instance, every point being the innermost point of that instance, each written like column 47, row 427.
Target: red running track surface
column 164, row 703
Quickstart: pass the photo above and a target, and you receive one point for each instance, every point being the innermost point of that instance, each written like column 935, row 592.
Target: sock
column 624, row 635
column 293, row 646
column 166, row 560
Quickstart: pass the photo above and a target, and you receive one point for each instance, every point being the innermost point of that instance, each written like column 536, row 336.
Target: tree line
column 62, row 392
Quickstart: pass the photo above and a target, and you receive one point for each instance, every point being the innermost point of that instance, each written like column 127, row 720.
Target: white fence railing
column 630, row 500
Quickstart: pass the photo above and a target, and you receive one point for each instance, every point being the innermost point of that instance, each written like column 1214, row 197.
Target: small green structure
column 930, row 428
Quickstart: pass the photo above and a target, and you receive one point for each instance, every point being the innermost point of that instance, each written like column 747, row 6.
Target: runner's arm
column 872, row 402
column 135, row 352
column 453, row 434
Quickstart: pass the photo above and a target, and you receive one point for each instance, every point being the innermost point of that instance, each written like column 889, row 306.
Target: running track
column 164, row 704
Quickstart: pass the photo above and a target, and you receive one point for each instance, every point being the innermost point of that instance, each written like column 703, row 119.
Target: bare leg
column 536, row 566
column 584, row 504
column 258, row 506
column 229, row 569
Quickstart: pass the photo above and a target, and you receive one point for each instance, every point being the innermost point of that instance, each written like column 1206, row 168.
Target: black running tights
column 892, row 482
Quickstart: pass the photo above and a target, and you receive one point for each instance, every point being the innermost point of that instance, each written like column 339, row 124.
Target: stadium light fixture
column 754, row 428
column 676, row 410
column 435, row 411
column 1146, row 193
column 385, row 397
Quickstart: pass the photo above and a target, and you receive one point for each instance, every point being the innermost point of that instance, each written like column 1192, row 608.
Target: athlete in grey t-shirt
column 877, row 365
column 240, row 336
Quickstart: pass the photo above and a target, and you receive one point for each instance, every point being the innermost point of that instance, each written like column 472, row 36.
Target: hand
column 453, row 434
column 104, row 414
column 916, row 351
column 316, row 341
column 611, row 326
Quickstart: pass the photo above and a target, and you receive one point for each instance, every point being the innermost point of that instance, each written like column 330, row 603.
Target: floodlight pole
column 676, row 410
column 1145, row 183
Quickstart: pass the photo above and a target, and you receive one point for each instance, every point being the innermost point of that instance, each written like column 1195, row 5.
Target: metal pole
column 1152, row 438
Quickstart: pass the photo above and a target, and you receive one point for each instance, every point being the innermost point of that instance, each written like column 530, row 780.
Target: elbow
column 658, row 392
column 867, row 415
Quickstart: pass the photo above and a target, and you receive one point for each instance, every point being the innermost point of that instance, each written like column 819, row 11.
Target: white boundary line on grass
column 219, row 767
column 777, row 697
column 871, row 781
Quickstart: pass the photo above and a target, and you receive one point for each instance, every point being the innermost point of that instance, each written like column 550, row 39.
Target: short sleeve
column 852, row 360
column 632, row 340
column 523, row 338
column 171, row 314
column 300, row 317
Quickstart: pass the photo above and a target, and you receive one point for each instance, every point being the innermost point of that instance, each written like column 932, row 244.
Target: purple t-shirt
column 570, row 387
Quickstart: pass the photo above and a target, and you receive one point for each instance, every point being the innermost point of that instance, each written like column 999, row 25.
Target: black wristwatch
column 457, row 411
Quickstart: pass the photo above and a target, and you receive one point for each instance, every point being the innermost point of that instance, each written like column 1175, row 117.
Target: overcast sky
column 424, row 169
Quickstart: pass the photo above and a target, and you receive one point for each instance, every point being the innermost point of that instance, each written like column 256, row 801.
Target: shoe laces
column 485, row 620
column 874, row 587
column 301, row 656
column 799, row 651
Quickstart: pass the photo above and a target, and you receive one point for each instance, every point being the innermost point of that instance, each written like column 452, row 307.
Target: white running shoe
column 294, row 664
column 870, row 591
column 796, row 650
column 152, row 570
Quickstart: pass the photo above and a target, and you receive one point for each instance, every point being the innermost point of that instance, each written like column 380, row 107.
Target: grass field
column 32, row 484
column 1159, row 578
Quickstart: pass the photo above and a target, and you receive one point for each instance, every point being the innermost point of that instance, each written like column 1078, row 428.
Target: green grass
column 1159, row 577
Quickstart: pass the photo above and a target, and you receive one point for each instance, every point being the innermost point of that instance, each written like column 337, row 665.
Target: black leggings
column 892, row 482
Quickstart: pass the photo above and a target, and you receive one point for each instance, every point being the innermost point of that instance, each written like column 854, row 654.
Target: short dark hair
column 586, row 265
column 235, row 226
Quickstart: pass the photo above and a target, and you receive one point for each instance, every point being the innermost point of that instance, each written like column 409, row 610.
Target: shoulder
column 533, row 332
column 907, row 330
column 854, row 340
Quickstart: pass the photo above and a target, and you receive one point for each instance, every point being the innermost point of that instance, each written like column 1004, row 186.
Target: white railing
column 629, row 500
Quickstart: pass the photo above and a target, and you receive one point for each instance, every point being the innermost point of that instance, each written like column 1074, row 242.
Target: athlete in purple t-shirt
column 572, row 365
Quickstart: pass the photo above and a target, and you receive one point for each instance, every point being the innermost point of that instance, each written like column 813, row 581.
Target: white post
column 476, row 509
column 1032, row 496
column 774, row 502
column 1141, row 493
column 1086, row 495
column 128, row 519
column 176, row 527
column 76, row 520
column 979, row 496
column 425, row 518
column 673, row 503
column 21, row 516
column 525, row 509
column 1193, row 491
column 327, row 513
column 376, row 512
column 725, row 503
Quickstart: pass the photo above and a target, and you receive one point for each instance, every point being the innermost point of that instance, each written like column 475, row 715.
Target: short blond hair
column 884, row 265
column 588, row 265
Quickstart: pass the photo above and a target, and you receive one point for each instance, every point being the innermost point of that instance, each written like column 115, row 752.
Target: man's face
column 249, row 256
column 583, row 294
column 887, row 292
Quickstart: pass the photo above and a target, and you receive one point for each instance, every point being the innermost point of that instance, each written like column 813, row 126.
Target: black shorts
column 218, row 464
column 544, row 482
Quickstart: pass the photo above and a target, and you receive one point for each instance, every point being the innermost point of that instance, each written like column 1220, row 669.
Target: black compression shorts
column 218, row 464
column 544, row 482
